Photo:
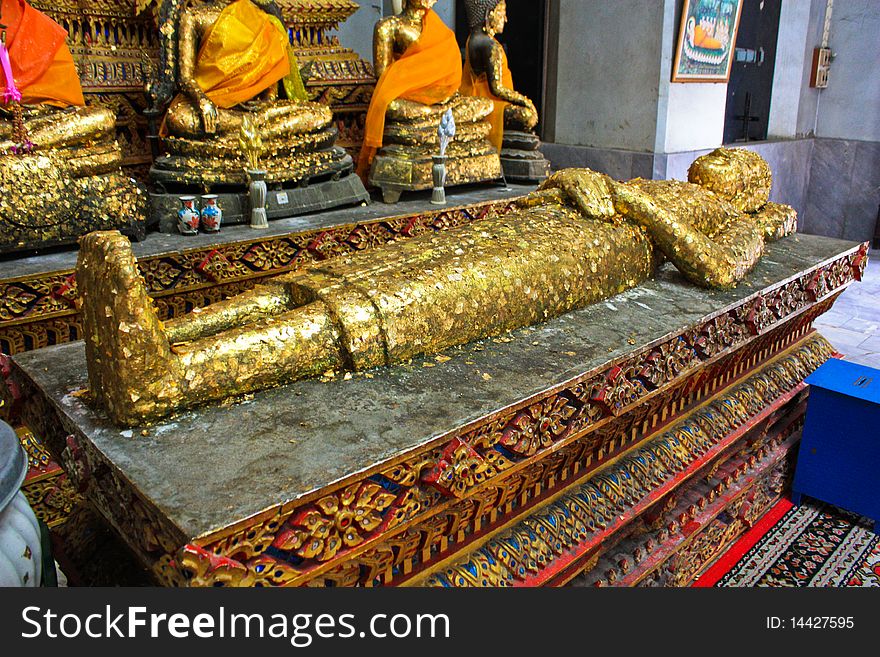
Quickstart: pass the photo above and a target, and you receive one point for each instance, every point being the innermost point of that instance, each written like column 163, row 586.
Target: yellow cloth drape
column 478, row 85
column 243, row 55
column 428, row 72
column 41, row 62
column 294, row 88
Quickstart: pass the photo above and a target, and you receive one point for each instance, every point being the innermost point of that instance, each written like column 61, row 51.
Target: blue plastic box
column 839, row 457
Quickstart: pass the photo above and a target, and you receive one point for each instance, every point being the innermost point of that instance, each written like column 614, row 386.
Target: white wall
column 695, row 117
column 788, row 74
column 850, row 107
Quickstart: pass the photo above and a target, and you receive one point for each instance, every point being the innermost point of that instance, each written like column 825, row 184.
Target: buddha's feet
column 275, row 119
column 132, row 372
column 137, row 376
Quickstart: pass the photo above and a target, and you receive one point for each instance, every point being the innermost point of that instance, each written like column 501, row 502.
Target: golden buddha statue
column 580, row 238
column 418, row 65
column 487, row 75
column 60, row 174
column 219, row 64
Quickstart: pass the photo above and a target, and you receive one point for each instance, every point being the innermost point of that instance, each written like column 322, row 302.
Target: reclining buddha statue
column 487, row 75
column 418, row 65
column 220, row 63
column 60, row 174
column 579, row 238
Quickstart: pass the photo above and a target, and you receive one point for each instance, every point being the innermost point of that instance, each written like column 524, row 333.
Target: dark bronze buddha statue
column 486, row 75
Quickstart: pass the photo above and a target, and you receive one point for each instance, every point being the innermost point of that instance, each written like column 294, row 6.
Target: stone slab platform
column 213, row 473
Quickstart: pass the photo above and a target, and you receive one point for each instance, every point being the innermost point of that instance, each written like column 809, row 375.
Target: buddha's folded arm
column 719, row 255
column 495, row 76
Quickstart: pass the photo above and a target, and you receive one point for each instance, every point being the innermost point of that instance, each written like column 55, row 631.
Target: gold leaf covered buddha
column 580, row 238
column 60, row 174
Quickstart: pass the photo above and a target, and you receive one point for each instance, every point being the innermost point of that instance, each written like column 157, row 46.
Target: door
column 751, row 76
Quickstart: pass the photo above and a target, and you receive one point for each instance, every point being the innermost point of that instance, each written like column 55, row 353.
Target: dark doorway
column 751, row 76
column 523, row 40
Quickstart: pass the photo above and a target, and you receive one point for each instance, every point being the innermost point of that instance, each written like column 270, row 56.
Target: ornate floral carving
column 569, row 522
column 459, row 469
column 334, row 522
column 666, row 362
column 538, row 426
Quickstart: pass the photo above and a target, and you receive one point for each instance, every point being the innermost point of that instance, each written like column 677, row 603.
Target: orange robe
column 242, row 55
column 42, row 65
column 428, row 72
column 478, row 85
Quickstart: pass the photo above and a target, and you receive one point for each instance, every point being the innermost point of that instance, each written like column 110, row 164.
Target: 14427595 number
column 810, row 622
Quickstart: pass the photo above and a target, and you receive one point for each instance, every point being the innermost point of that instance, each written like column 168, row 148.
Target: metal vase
column 258, row 192
column 438, row 173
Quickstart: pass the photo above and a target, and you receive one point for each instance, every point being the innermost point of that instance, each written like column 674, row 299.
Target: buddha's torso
column 479, row 51
column 406, row 33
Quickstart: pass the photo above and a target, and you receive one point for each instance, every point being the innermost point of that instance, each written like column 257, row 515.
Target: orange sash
column 42, row 65
column 242, row 55
column 428, row 72
column 478, row 85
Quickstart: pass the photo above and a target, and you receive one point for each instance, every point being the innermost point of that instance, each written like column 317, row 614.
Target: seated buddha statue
column 418, row 65
column 60, row 173
column 580, row 238
column 487, row 75
column 219, row 64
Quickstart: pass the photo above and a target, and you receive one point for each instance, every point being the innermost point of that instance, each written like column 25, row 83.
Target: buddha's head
column 488, row 15
column 739, row 176
column 420, row 5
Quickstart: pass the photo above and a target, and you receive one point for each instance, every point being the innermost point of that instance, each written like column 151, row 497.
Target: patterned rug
column 811, row 545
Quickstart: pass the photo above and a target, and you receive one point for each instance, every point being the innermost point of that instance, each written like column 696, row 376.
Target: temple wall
column 607, row 74
column 844, row 192
column 824, row 145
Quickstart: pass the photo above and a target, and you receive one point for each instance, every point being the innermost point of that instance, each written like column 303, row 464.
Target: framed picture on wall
column 706, row 39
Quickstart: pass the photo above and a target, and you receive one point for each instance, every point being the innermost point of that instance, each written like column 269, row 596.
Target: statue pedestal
column 521, row 159
column 297, row 185
column 396, row 170
column 396, row 475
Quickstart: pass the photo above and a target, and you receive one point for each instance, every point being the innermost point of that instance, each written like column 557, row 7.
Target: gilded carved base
column 703, row 520
column 554, row 541
column 421, row 511
column 395, row 171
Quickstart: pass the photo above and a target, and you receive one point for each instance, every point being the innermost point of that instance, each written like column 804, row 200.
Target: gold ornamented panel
column 528, row 548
